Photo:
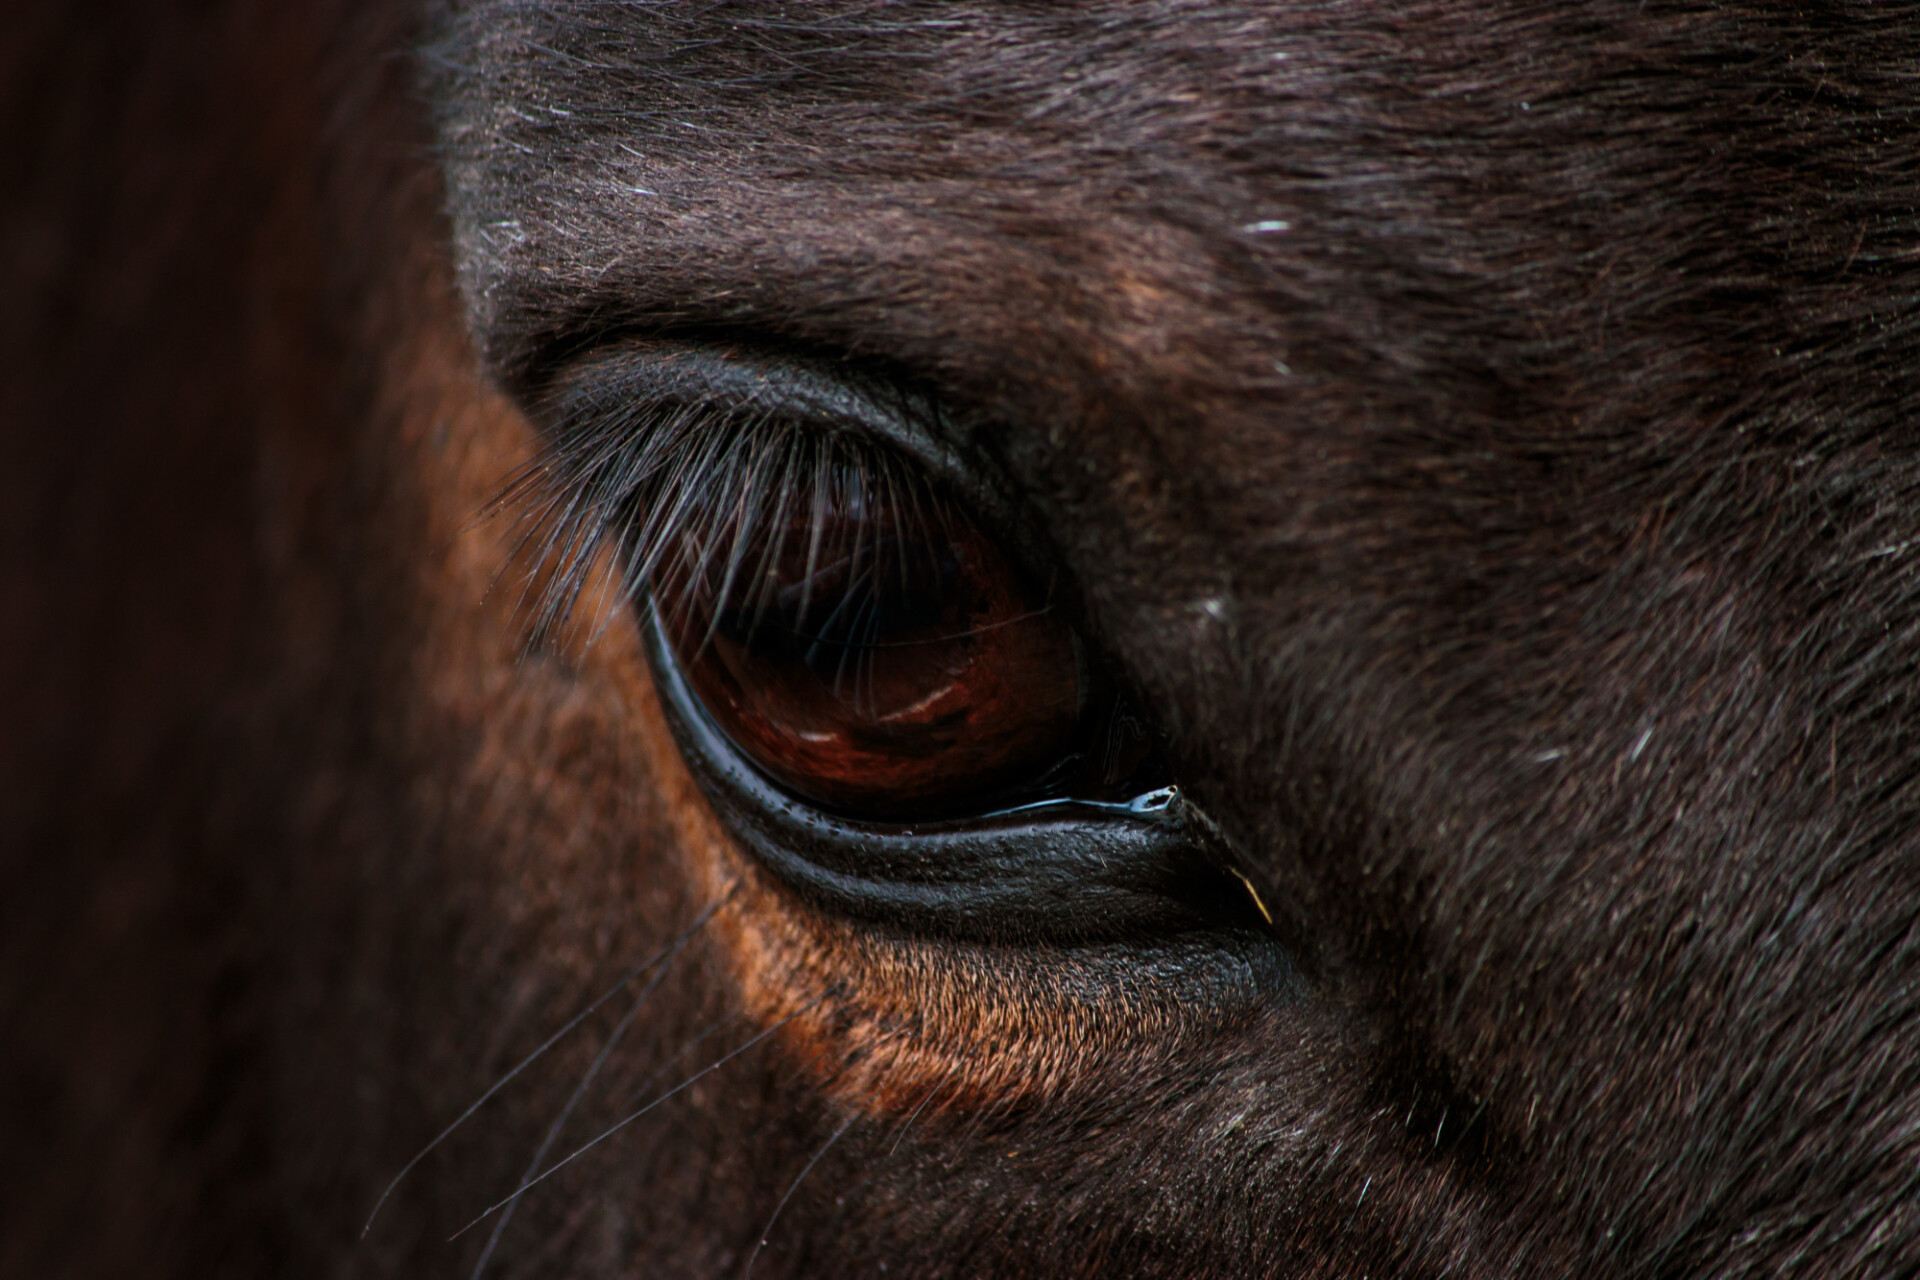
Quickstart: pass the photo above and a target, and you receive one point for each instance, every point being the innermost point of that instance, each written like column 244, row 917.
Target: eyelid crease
column 838, row 397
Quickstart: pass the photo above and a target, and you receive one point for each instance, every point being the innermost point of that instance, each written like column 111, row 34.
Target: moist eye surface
column 869, row 646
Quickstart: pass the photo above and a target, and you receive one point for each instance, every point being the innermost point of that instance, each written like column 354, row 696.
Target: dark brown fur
column 1518, row 550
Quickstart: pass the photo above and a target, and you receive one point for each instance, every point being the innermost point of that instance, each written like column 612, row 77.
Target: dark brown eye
column 873, row 650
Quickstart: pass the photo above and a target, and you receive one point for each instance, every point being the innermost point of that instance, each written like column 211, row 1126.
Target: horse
column 962, row 638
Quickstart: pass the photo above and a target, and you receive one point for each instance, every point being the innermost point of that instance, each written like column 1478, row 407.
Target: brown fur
column 1516, row 551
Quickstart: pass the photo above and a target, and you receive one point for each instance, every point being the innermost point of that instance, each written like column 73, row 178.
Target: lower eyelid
column 1073, row 872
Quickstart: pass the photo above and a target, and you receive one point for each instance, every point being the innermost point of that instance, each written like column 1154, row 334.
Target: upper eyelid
column 746, row 386
column 626, row 391
column 642, row 436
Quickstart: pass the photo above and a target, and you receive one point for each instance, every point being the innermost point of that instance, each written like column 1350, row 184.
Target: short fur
column 1482, row 433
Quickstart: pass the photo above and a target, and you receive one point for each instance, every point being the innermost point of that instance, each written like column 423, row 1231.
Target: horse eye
column 875, row 652
column 886, row 706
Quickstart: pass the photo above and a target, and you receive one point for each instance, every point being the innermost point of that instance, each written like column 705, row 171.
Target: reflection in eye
column 868, row 646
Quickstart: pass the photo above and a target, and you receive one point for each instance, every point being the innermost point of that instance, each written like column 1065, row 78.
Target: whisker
column 791, row 1188
column 621, row 1124
column 692, row 1043
column 663, row 954
column 908, row 1122
column 579, row 1092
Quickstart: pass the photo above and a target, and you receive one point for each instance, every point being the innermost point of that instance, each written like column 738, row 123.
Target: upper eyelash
column 650, row 479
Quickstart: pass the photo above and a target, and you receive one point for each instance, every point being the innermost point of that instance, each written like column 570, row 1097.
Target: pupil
column 888, row 593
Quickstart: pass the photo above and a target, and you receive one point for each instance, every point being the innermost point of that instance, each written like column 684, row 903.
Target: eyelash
column 656, row 481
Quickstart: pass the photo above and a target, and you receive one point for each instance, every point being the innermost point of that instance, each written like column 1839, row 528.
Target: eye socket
column 867, row 645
